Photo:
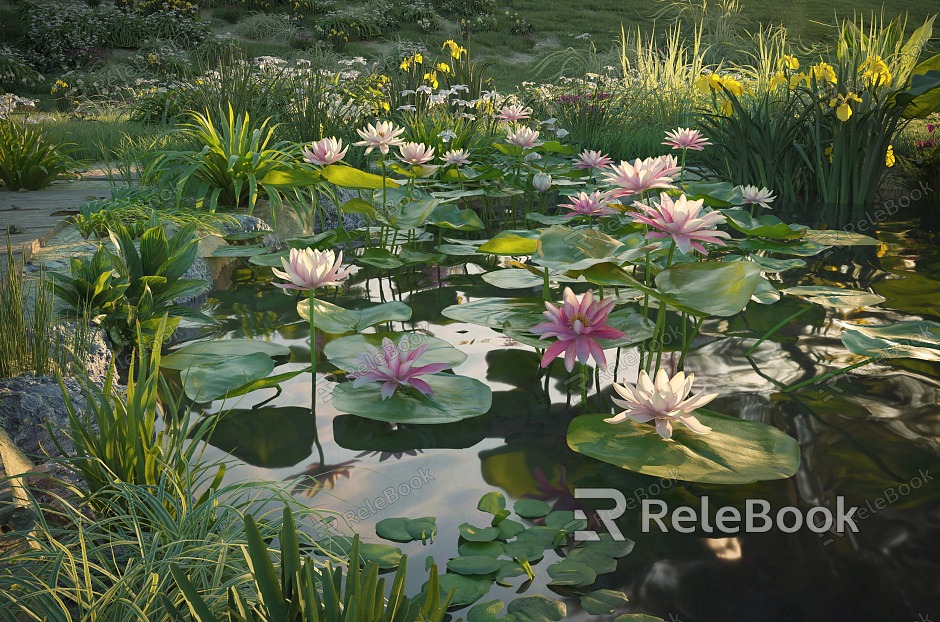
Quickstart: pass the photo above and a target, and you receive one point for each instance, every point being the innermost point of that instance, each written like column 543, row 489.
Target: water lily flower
column 326, row 151
column 663, row 401
column 308, row 269
column 751, row 195
column 594, row 204
column 683, row 221
column 592, row 160
column 415, row 153
column 513, row 113
column 524, row 137
column 577, row 325
column 665, row 166
column 684, row 138
column 382, row 136
column 456, row 157
column 638, row 177
column 394, row 366
column 542, row 181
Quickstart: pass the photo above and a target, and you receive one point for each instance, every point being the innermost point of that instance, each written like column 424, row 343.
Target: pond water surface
column 867, row 436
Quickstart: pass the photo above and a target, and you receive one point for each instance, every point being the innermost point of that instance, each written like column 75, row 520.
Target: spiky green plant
column 28, row 160
column 233, row 166
column 303, row 592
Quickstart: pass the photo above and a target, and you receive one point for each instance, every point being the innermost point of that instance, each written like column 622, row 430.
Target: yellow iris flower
column 823, row 72
column 875, row 72
column 843, row 105
column 790, row 62
column 889, row 157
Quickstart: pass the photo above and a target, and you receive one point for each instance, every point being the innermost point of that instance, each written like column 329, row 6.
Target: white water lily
column 663, row 401
column 308, row 269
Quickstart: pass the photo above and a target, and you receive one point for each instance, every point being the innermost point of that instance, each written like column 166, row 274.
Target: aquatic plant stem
column 661, row 317
column 776, row 327
column 313, row 374
column 828, row 375
column 688, row 342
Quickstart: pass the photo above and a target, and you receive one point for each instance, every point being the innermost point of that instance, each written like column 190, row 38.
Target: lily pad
column 838, row 237
column 510, row 243
column 468, row 589
column 836, row 297
column 531, row 508
column 453, row 398
column 492, row 503
column 766, row 226
column 239, row 251
column 568, row 572
column 500, row 313
column 210, row 381
column 336, row 320
column 486, row 612
column 536, row 609
column 916, row 339
column 473, row 565
column 490, row 548
column 407, row 529
column 449, row 216
column 563, row 246
column 603, row 602
column 736, row 451
column 477, row 534
column 379, row 258
column 711, row 287
column 203, row 352
column 513, row 278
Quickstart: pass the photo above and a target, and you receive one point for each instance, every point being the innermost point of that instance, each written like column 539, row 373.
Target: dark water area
column 871, row 437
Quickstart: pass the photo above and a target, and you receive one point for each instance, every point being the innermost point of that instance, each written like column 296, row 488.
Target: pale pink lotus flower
column 750, row 195
column 636, row 178
column 683, row 138
column 577, row 325
column 542, row 181
column 415, row 153
column 308, row 268
column 381, row 136
column 524, row 137
column 665, row 166
column 456, row 157
column 663, row 402
column 683, row 221
column 592, row 160
column 394, row 365
column 326, row 151
column 513, row 113
column 594, row 204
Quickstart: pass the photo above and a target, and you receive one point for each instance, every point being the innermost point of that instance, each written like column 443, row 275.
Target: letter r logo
column 607, row 517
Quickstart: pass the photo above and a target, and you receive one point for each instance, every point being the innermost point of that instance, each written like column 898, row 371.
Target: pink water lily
column 415, row 153
column 635, row 178
column 577, row 325
column 325, row 151
column 594, row 204
column 456, row 157
column 513, row 113
column 751, row 195
column 683, row 221
column 394, row 365
column 308, row 269
column 665, row 166
column 683, row 138
column 382, row 136
column 524, row 137
column 592, row 160
column 663, row 401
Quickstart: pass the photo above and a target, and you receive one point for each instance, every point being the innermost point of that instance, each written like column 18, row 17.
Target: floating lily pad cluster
column 505, row 549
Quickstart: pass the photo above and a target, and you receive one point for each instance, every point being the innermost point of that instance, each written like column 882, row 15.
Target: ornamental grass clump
column 28, row 159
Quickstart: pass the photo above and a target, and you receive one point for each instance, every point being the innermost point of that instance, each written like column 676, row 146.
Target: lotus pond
column 525, row 439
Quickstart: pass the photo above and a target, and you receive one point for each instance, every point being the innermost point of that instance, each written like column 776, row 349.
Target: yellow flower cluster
column 431, row 78
column 407, row 62
column 713, row 83
column 456, row 51
column 889, row 156
column 59, row 85
column 875, row 72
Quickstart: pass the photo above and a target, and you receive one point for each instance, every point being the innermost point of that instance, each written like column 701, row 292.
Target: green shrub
column 28, row 160
column 15, row 73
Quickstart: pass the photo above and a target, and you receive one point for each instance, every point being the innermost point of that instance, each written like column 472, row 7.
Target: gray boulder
column 27, row 404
